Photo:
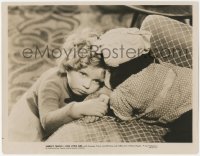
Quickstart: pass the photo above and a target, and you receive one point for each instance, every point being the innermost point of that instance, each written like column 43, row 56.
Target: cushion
column 108, row 129
column 171, row 40
column 132, row 42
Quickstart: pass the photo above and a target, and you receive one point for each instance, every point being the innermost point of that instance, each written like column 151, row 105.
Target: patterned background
column 41, row 26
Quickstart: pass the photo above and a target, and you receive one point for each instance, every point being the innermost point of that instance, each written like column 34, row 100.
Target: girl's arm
column 52, row 115
column 56, row 118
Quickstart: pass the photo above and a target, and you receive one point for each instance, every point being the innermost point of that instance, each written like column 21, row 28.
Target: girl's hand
column 105, row 91
column 104, row 98
column 90, row 119
column 93, row 107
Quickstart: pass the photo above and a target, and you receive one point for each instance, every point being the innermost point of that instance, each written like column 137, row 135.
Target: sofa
column 171, row 42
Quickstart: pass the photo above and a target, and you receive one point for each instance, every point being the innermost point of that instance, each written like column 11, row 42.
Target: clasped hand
column 98, row 108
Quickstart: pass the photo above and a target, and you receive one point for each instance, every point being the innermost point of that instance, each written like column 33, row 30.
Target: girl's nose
column 86, row 83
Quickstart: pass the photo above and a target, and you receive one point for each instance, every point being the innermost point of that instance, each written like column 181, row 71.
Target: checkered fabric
column 108, row 129
column 171, row 40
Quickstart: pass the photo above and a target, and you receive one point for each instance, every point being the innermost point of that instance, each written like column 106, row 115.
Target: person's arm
column 52, row 115
column 55, row 119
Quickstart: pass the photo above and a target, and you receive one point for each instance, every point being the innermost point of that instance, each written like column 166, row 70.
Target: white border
column 195, row 65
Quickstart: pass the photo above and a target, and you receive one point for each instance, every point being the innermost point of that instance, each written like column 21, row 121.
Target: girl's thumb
column 104, row 98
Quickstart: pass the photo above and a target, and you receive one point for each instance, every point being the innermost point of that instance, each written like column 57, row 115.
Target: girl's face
column 86, row 81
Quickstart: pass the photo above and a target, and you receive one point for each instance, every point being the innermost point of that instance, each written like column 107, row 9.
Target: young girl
column 57, row 96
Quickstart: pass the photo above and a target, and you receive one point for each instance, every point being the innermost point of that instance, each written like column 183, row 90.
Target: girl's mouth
column 81, row 91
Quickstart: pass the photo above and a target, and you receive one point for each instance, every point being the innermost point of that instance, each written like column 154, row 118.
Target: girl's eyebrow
column 83, row 72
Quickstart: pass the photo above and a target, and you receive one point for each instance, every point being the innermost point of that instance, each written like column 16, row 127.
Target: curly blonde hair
column 78, row 52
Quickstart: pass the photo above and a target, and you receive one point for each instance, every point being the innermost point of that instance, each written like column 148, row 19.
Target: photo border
column 136, row 148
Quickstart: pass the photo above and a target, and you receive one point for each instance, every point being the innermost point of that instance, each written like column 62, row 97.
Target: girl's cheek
column 80, row 81
column 94, row 89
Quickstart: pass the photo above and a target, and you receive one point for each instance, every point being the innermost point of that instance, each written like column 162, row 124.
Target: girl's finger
column 87, row 119
column 97, row 118
column 92, row 119
column 104, row 98
column 103, row 109
column 99, row 114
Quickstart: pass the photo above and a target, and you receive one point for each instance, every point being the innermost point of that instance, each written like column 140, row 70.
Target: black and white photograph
column 77, row 76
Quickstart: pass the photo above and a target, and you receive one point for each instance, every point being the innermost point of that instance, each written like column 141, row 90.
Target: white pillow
column 134, row 42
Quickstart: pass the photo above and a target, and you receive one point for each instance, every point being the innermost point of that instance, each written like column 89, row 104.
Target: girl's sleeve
column 52, row 115
column 48, row 97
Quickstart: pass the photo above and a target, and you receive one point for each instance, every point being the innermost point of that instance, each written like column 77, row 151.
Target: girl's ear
column 107, row 79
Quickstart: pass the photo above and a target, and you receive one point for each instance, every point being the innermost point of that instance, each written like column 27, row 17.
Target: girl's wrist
column 75, row 110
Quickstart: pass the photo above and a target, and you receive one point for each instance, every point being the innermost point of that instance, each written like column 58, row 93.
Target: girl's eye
column 83, row 74
column 96, row 82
